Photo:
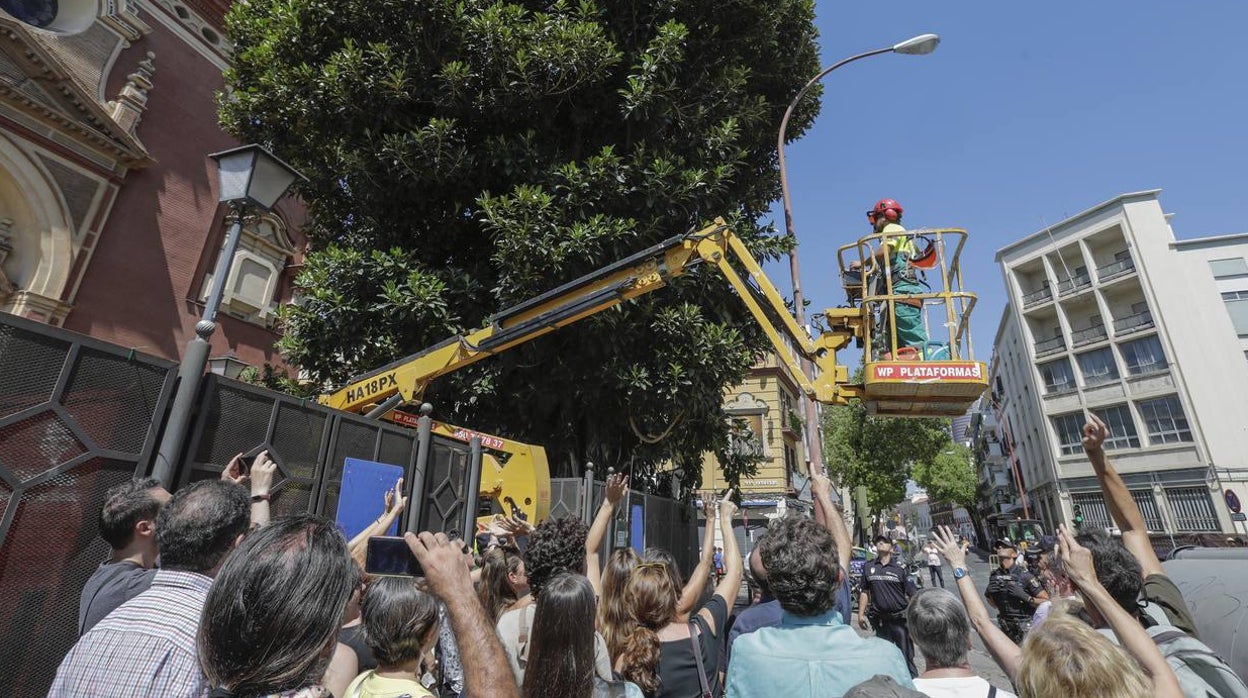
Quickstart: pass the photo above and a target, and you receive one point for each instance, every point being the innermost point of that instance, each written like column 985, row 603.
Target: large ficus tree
column 464, row 155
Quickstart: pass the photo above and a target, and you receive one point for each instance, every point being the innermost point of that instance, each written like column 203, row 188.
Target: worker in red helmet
column 895, row 250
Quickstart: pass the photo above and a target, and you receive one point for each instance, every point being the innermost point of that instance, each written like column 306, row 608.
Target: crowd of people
column 241, row 606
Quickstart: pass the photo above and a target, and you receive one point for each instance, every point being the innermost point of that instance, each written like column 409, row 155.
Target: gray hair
column 940, row 627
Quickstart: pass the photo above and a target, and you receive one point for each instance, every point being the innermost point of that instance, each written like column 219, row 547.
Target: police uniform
column 889, row 590
column 1012, row 590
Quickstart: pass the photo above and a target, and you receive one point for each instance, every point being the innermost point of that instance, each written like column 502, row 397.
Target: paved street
column 981, row 661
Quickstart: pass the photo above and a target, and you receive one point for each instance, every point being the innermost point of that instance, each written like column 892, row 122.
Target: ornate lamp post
column 249, row 177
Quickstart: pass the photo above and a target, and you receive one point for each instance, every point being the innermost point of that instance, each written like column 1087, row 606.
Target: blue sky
column 1024, row 115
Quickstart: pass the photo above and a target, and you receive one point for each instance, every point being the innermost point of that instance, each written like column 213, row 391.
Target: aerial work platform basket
column 921, row 275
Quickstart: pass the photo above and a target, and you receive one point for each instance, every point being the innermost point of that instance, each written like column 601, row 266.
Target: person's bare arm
column 486, row 670
column 1007, row 654
column 733, row 564
column 342, row 670
column 821, row 488
column 262, row 473
column 696, row 583
column 616, row 489
column 394, row 504
column 1132, row 636
column 1122, row 507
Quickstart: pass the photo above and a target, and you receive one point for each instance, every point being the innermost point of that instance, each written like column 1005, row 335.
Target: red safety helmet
column 888, row 208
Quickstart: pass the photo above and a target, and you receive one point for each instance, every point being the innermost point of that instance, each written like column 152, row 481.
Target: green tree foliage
column 879, row 452
column 949, row 476
column 466, row 155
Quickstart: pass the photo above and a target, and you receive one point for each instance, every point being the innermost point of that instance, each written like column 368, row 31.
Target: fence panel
column 310, row 445
column 77, row 416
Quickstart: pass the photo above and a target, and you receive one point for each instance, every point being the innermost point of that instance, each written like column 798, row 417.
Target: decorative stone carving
column 128, row 108
column 745, row 402
column 6, row 246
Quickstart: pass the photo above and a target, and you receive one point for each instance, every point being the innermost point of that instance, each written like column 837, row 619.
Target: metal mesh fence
column 76, row 418
column 666, row 523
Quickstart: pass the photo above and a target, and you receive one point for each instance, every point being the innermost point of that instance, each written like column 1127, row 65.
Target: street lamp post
column 249, row 177
column 916, row 46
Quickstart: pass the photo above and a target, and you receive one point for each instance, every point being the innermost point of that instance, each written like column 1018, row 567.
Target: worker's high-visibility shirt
column 900, row 248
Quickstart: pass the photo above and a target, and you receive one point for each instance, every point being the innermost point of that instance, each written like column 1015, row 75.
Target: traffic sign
column 1232, row 502
column 1239, row 516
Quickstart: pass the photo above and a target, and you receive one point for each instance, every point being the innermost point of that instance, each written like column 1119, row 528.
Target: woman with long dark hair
column 561, row 649
column 270, row 623
column 504, row 583
column 663, row 654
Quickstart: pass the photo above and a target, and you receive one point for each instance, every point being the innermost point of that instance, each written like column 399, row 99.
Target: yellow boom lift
column 519, row 483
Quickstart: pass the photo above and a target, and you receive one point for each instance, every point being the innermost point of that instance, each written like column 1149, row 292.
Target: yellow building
column 767, row 402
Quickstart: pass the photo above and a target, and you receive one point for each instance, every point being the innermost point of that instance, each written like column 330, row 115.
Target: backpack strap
column 697, row 657
column 992, row 692
column 522, row 650
column 1165, row 636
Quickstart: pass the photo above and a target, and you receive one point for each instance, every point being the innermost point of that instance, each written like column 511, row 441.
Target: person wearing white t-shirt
column 941, row 630
column 934, row 564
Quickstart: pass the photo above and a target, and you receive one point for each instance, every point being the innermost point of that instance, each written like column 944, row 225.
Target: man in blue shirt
column 812, row 652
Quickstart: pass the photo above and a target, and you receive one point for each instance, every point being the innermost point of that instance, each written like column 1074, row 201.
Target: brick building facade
column 109, row 224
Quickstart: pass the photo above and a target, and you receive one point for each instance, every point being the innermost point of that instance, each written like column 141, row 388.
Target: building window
column 1238, row 309
column 1143, row 356
column 1192, row 509
column 36, row 13
column 251, row 286
column 1228, row 268
column 1069, row 428
column 1057, row 376
column 1098, row 367
column 1148, row 508
column 1122, row 433
column 1165, row 420
column 1095, row 513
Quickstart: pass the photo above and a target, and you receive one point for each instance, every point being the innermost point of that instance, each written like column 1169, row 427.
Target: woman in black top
column 659, row 654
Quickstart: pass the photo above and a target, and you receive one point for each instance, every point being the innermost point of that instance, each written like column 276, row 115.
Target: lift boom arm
column 405, row 380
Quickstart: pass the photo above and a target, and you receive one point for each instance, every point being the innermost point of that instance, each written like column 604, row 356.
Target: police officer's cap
column 1004, row 543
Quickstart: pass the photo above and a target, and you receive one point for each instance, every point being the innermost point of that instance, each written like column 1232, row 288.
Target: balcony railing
column 1037, row 297
column 1133, row 323
column 1050, row 346
column 1115, row 269
column 1074, row 283
column 1089, row 335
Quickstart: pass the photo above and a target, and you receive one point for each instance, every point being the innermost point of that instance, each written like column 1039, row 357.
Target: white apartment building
column 1108, row 312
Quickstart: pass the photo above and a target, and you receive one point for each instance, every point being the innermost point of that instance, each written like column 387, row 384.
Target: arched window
column 251, row 287
column 60, row 16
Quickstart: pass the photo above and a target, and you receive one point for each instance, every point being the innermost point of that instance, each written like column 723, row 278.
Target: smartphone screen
column 389, row 556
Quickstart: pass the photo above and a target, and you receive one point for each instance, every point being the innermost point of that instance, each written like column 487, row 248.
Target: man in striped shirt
column 147, row 646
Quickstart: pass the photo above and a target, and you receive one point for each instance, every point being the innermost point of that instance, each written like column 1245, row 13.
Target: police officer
column 885, row 593
column 1014, row 592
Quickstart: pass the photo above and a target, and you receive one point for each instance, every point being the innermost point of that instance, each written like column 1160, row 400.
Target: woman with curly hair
column 664, row 655
column 504, row 585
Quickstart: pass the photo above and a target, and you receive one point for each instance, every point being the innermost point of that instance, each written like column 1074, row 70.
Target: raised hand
column 617, row 487
column 262, row 473
column 234, row 471
column 1076, row 559
column 709, row 503
column 1094, row 434
column 395, row 501
column 947, row 544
